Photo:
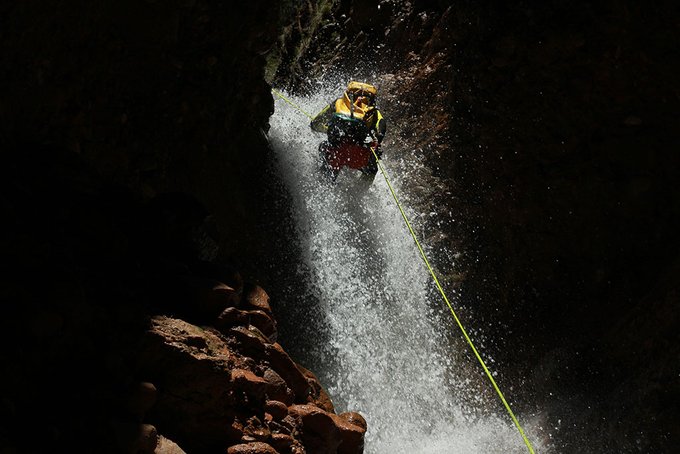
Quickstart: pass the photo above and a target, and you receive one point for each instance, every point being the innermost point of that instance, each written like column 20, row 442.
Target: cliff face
column 551, row 132
column 133, row 153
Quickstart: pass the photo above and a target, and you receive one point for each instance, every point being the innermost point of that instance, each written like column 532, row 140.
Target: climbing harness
column 439, row 287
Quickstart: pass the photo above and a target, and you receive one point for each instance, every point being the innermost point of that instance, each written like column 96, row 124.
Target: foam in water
column 383, row 352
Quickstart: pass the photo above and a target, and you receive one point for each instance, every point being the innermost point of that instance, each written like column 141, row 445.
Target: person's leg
column 326, row 169
column 368, row 174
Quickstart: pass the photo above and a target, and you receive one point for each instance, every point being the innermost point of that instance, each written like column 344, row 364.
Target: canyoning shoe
column 328, row 174
column 364, row 182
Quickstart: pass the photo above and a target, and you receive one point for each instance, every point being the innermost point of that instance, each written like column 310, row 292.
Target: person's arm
column 320, row 122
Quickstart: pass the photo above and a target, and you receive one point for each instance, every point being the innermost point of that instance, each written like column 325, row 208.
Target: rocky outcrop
column 243, row 401
column 130, row 334
column 132, row 204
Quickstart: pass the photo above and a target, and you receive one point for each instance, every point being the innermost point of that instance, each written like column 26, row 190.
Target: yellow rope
column 280, row 95
column 460, row 325
column 439, row 287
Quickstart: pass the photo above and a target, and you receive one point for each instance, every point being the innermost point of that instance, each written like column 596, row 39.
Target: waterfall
column 377, row 342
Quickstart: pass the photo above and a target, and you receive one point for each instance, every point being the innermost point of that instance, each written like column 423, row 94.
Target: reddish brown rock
column 297, row 448
column 318, row 395
column 252, row 448
column 312, row 417
column 280, row 427
column 192, row 368
column 241, row 399
column 352, row 434
column 255, row 387
column 278, row 410
column 166, row 446
column 230, row 317
column 282, row 442
column 278, row 389
column 318, row 430
column 289, row 424
column 281, row 363
column 236, row 430
column 255, row 297
column 251, row 343
column 255, row 430
column 264, row 322
column 354, row 418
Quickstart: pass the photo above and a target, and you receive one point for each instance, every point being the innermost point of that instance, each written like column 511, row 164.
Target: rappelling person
column 354, row 126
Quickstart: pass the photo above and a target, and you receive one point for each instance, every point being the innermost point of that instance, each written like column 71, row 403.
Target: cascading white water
column 383, row 352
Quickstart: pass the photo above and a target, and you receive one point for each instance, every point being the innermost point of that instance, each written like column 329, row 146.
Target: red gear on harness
column 348, row 154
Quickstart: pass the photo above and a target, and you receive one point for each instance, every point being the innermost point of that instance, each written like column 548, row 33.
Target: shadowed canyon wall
column 132, row 200
column 156, row 97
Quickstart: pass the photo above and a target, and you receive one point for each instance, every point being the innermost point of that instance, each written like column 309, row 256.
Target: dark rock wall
column 555, row 128
column 567, row 123
column 157, row 96
column 132, row 201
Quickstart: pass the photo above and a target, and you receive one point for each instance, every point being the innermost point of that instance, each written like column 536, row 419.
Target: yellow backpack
column 357, row 102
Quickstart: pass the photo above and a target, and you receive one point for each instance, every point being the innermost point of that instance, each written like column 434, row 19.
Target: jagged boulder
column 244, row 397
column 283, row 365
column 166, row 446
column 192, row 369
column 232, row 316
column 317, row 395
column 255, row 297
column 252, row 448
column 323, row 432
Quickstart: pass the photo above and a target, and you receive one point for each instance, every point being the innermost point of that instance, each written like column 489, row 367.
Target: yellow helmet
column 355, row 86
column 356, row 89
